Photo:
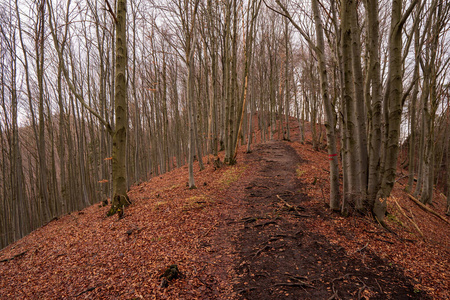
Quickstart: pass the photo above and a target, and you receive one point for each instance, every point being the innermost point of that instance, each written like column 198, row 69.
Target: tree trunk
column 329, row 113
column 120, row 197
column 359, row 103
column 394, row 95
column 352, row 199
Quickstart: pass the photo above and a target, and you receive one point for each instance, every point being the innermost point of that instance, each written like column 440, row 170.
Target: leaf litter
column 287, row 251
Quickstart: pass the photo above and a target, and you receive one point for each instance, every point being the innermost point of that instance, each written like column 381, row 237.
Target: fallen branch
column 15, row 256
column 424, row 207
column 287, row 204
column 209, row 230
column 362, row 248
column 86, row 290
column 411, row 220
column 381, row 240
column 292, row 207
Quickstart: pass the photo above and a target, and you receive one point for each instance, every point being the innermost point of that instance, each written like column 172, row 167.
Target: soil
column 279, row 258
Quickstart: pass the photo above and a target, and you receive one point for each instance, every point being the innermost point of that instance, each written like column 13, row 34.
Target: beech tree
column 80, row 124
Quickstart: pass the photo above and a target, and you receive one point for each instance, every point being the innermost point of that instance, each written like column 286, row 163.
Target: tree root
column 265, row 224
column 241, row 291
column 335, row 293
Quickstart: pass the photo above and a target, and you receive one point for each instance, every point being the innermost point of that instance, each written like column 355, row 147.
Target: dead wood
column 15, row 256
column 86, row 290
column 292, row 207
column 426, row 208
column 411, row 220
column 209, row 230
column 362, row 248
column 381, row 240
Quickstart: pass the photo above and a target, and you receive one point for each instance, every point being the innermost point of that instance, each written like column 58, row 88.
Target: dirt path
column 278, row 258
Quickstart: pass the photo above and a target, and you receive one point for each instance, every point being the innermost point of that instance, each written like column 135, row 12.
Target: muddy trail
column 279, row 258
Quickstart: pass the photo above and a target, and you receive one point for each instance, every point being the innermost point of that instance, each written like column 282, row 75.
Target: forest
column 98, row 96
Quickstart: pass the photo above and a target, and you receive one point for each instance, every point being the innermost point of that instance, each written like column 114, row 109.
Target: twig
column 209, row 230
column 362, row 248
column 285, row 203
column 86, row 290
column 292, row 207
column 424, row 207
column 111, row 11
column 389, row 242
column 381, row 290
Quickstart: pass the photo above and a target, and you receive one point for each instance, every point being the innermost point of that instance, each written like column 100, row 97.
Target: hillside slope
column 256, row 230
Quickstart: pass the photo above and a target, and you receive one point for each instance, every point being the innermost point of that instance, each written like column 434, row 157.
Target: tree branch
column 286, row 14
column 111, row 11
column 406, row 14
column 66, row 76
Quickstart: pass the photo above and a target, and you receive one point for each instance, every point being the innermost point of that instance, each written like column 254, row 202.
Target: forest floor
column 257, row 230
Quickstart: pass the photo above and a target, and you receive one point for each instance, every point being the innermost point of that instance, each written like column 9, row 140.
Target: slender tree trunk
column 329, row 113
column 190, row 100
column 359, row 103
column 412, row 111
column 43, row 183
column 287, row 134
column 352, row 198
column 394, row 94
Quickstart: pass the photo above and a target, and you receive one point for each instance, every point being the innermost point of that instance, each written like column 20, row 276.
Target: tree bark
column 119, row 141
column 329, row 113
